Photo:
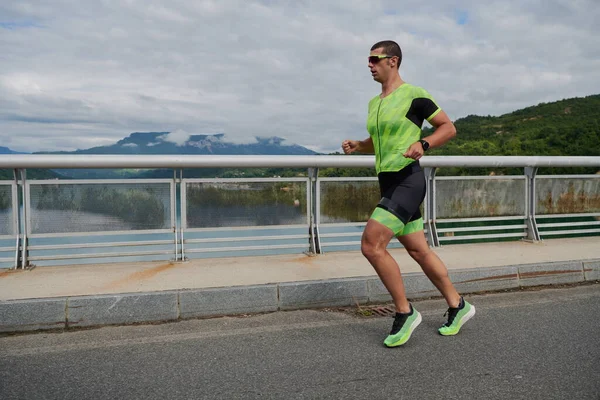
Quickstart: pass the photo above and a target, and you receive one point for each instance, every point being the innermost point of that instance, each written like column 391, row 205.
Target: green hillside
column 8, row 174
column 568, row 127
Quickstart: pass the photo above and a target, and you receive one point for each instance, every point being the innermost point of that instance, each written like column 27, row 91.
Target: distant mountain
column 159, row 143
column 6, row 150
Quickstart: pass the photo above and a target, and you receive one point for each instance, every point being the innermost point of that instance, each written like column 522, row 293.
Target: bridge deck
column 97, row 279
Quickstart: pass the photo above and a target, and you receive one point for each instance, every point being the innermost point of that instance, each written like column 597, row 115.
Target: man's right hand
column 350, row 146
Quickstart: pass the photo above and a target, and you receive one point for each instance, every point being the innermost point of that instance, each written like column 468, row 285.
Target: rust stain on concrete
column 542, row 273
column 491, row 278
column 302, row 259
column 141, row 275
column 4, row 274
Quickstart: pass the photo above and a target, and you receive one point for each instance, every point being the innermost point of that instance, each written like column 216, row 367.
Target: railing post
column 16, row 204
column 315, row 243
column 532, row 229
column 182, row 213
column 174, row 213
column 26, row 203
column 429, row 217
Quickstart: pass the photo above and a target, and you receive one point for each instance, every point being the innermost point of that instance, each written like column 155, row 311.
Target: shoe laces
column 399, row 321
column 451, row 312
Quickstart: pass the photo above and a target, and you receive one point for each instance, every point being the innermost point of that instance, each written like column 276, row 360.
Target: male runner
column 394, row 123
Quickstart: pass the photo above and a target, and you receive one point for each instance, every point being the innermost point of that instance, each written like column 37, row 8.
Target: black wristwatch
column 425, row 144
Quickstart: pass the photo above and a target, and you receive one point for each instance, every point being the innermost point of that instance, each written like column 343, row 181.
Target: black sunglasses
column 375, row 59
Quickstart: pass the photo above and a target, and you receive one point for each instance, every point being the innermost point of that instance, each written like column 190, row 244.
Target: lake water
column 246, row 234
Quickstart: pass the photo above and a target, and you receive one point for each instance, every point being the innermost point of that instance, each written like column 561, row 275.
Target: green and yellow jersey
column 394, row 123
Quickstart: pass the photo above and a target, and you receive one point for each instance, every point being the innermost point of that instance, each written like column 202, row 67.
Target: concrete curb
column 129, row 308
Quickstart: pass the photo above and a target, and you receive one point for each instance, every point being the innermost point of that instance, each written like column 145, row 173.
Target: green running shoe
column 457, row 318
column 403, row 327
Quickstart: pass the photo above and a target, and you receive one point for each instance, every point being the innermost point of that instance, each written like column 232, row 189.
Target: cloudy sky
column 82, row 73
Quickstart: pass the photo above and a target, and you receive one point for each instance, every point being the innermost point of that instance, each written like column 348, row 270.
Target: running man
column 394, row 123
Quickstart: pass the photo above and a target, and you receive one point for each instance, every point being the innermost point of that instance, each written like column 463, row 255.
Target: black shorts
column 402, row 192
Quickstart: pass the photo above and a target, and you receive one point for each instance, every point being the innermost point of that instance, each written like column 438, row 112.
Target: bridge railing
column 68, row 221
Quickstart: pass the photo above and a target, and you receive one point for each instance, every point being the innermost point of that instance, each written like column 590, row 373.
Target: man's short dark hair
column 390, row 48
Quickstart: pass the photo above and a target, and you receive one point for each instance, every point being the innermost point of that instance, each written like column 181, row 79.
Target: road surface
column 542, row 344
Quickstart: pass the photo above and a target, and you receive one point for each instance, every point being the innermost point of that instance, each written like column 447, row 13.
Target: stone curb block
column 122, row 308
column 474, row 280
column 53, row 313
column 228, row 300
column 551, row 273
column 330, row 293
column 377, row 292
column 31, row 315
column 416, row 285
column 591, row 270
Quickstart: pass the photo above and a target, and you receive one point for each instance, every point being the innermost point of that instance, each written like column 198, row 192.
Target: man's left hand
column 415, row 151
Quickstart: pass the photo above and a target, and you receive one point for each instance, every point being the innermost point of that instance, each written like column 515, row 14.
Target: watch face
column 425, row 145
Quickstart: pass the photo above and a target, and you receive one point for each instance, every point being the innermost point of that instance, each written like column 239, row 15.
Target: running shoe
column 457, row 318
column 403, row 327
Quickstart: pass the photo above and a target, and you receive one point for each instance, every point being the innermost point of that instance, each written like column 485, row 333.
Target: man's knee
column 372, row 248
column 419, row 255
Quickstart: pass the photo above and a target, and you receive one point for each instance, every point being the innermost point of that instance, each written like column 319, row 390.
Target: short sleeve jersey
column 394, row 123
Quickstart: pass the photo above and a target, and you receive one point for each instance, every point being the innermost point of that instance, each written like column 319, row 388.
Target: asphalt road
column 522, row 345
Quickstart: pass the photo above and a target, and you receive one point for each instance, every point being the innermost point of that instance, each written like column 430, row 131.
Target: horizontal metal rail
column 246, row 228
column 479, row 219
column 561, row 224
column 245, row 248
column 482, row 228
column 570, row 232
column 71, row 161
column 582, row 215
column 98, row 255
column 101, row 233
column 472, row 237
column 100, row 245
column 246, row 239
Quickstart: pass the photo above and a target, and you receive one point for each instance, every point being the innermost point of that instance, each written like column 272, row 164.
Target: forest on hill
column 569, row 127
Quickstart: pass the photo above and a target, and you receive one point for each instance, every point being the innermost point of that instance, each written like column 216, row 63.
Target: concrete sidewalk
column 101, row 294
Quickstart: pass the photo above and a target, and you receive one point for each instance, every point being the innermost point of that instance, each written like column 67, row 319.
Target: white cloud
column 77, row 77
column 240, row 139
column 178, row 136
column 130, row 145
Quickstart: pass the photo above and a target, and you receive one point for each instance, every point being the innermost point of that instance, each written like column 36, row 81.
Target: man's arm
column 360, row 146
column 444, row 131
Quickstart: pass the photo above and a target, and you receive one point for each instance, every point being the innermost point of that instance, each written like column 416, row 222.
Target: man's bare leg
column 416, row 245
column 375, row 240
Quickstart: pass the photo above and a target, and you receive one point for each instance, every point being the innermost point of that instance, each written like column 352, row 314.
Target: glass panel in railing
column 343, row 201
column 229, row 204
column 6, row 210
column 558, row 195
column 66, row 208
column 472, row 198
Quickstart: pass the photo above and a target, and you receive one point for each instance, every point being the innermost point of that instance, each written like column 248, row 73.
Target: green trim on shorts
column 388, row 219
column 412, row 227
column 392, row 222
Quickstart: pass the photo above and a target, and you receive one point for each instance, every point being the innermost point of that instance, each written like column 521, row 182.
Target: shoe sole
column 413, row 326
column 464, row 319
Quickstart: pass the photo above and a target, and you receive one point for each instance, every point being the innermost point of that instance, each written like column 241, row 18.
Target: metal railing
column 44, row 221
